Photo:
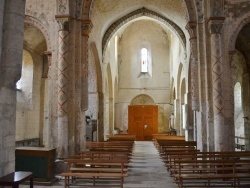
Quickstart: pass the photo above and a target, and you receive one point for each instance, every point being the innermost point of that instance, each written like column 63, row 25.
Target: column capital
column 63, row 21
column 86, row 27
column 48, row 53
column 192, row 29
column 215, row 25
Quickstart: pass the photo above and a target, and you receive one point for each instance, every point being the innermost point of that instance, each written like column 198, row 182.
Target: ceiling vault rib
column 139, row 13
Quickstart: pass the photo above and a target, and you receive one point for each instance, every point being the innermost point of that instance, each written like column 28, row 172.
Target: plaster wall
column 132, row 82
column 28, row 111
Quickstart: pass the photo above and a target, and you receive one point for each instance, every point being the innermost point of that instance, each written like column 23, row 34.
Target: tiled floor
column 146, row 171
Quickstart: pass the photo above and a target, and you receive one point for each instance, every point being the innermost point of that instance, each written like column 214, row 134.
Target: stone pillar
column 245, row 105
column 10, row 72
column 194, row 98
column 63, row 63
column 219, row 70
column 100, row 129
column 191, row 125
column 177, row 113
column 191, row 27
column 86, row 26
column 47, row 111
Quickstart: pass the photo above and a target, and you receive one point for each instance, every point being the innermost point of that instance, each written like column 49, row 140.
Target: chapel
column 73, row 71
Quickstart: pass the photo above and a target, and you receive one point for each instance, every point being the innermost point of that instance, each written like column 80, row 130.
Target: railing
column 240, row 143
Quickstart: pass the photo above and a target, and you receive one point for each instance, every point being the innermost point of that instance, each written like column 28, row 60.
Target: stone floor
column 146, row 171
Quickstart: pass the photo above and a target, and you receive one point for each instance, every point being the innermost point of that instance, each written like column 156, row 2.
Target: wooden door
column 143, row 121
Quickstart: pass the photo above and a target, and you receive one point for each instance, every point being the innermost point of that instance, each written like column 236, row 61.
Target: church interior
column 81, row 71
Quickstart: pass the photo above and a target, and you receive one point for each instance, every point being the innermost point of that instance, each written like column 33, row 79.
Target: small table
column 15, row 178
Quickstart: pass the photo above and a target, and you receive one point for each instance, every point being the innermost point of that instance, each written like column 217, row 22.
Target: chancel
column 142, row 80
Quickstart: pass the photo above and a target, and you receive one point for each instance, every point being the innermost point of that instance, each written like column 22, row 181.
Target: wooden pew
column 95, row 169
column 158, row 137
column 121, row 137
column 102, row 157
column 209, row 170
column 196, row 156
column 87, row 152
column 162, row 144
column 114, row 146
column 167, row 137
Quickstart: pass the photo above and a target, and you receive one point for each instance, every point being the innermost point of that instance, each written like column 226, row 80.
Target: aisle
column 147, row 169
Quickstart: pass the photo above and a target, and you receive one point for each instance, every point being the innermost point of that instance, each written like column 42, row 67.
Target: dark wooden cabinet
column 38, row 160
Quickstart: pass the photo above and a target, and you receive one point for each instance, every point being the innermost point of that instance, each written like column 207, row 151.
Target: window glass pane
column 144, row 60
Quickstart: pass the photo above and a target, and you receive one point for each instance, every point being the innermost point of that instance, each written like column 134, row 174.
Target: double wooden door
column 143, row 121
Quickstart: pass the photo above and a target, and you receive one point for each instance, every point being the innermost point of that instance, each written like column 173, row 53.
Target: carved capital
column 86, row 27
column 215, row 25
column 63, row 22
column 49, row 56
column 192, row 29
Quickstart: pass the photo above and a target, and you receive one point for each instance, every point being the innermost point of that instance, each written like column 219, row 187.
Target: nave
column 146, row 170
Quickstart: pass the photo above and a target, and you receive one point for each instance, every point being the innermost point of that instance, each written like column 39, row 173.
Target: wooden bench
column 121, row 137
column 108, row 149
column 95, row 169
column 114, row 143
column 208, row 170
column 168, row 144
column 15, row 178
column 197, row 156
column 120, row 153
column 102, row 157
column 109, row 146
column 162, row 138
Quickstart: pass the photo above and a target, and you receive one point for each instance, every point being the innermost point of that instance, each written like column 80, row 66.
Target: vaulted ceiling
column 243, row 43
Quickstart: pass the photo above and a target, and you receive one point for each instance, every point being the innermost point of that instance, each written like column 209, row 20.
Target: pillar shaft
column 192, row 28
column 63, row 63
column 86, row 27
column 222, row 116
column 11, row 49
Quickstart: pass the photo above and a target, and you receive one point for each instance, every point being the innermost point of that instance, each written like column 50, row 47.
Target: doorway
column 143, row 121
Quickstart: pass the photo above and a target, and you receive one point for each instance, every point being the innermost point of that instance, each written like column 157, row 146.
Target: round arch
column 233, row 37
column 33, row 22
column 142, row 99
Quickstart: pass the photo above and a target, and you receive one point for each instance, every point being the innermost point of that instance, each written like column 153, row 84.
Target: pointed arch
column 139, row 13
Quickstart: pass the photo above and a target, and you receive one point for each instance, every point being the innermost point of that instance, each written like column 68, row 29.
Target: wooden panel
column 38, row 160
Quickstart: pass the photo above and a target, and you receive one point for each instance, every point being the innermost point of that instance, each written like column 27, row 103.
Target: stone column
column 63, row 63
column 177, row 113
column 100, row 128
column 10, row 72
column 86, row 26
column 192, row 29
column 245, row 105
column 221, row 131
column 47, row 111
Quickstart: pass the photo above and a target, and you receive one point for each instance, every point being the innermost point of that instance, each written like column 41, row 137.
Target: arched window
column 144, row 60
